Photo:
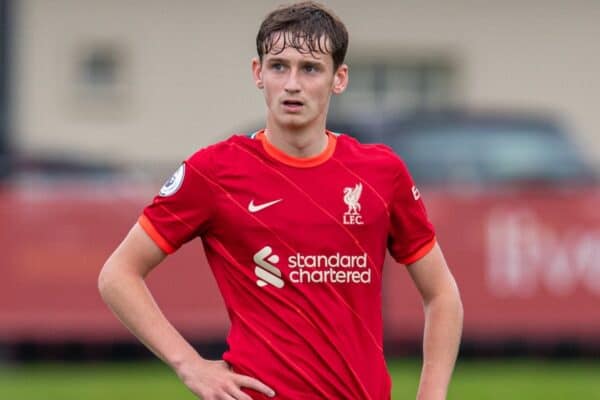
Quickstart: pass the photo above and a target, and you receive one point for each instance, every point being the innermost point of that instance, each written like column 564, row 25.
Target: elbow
column 456, row 302
column 460, row 310
column 459, row 302
column 106, row 281
column 453, row 298
column 103, row 281
column 115, row 279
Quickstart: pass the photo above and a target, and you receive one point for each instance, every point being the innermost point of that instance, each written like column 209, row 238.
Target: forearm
column 130, row 299
column 441, row 339
column 122, row 286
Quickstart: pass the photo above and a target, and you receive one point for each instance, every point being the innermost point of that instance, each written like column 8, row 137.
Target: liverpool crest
column 352, row 200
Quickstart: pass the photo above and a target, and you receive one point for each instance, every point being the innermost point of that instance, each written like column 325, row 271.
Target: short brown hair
column 304, row 25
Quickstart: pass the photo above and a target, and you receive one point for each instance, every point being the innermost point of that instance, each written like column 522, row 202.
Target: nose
column 292, row 85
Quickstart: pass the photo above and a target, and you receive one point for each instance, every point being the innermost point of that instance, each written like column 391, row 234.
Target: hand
column 214, row 380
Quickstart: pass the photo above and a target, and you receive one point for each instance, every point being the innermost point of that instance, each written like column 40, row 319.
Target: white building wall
column 188, row 66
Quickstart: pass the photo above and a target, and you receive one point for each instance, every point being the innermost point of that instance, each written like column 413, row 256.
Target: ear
column 340, row 79
column 257, row 73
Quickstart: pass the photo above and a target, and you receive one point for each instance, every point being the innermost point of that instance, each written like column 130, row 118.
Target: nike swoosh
column 255, row 208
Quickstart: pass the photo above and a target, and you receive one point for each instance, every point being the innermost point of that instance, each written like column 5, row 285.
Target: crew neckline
column 299, row 162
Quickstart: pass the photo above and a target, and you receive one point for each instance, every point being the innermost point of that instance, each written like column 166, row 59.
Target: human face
column 297, row 87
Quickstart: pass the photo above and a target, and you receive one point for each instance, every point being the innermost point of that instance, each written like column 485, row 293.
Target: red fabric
column 300, row 277
column 158, row 239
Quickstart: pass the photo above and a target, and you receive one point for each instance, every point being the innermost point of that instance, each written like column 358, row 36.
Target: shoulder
column 220, row 151
column 375, row 154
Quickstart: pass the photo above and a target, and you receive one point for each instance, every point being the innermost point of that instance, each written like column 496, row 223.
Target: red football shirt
column 297, row 248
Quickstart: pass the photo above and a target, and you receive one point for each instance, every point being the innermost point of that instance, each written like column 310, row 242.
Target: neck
column 298, row 142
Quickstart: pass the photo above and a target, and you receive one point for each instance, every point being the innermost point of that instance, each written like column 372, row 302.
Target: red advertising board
column 527, row 263
column 55, row 239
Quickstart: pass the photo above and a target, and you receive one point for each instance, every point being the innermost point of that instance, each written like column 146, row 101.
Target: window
column 101, row 80
column 378, row 89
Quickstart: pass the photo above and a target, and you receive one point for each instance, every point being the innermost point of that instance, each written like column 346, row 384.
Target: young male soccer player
column 295, row 221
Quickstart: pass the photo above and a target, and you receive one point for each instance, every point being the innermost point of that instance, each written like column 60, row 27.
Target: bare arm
column 122, row 286
column 443, row 323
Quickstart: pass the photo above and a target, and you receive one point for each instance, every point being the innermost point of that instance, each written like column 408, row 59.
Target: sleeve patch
column 173, row 184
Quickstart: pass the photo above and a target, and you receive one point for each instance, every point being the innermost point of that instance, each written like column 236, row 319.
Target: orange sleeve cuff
column 416, row 256
column 154, row 235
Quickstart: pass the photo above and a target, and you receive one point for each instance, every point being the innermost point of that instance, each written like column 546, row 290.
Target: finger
column 252, row 383
column 239, row 395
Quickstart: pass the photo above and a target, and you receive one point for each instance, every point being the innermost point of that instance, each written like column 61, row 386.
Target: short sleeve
column 411, row 234
column 183, row 207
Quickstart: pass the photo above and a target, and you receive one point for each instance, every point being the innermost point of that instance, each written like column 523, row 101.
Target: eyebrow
column 285, row 61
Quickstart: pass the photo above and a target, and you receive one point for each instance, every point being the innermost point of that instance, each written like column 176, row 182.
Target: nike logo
column 256, row 208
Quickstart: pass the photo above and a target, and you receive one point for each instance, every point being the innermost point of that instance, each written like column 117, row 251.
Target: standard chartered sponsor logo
column 317, row 268
column 335, row 268
column 265, row 268
column 332, row 261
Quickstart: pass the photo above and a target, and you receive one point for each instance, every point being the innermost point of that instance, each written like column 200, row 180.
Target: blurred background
column 493, row 105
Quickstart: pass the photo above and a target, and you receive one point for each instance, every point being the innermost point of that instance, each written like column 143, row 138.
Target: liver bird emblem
column 351, row 198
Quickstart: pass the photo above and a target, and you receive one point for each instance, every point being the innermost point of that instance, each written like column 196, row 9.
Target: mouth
column 292, row 105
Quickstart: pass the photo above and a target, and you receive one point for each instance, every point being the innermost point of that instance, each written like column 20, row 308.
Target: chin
column 293, row 122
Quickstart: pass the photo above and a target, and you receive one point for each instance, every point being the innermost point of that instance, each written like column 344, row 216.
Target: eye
column 310, row 68
column 277, row 67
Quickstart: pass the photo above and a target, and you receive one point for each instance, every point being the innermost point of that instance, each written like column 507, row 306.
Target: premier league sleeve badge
column 173, row 184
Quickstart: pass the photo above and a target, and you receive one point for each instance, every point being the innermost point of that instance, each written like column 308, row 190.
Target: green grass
column 481, row 380
column 508, row 380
